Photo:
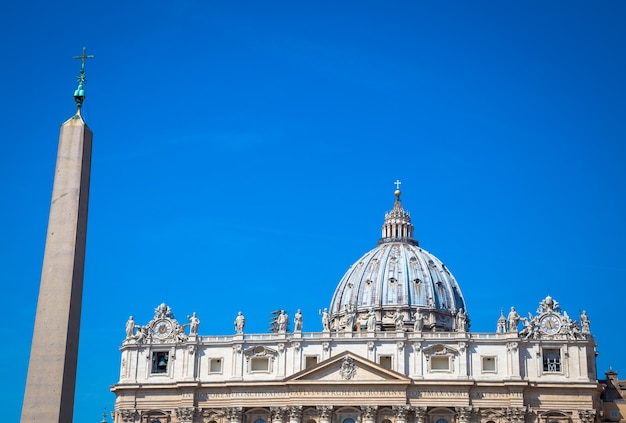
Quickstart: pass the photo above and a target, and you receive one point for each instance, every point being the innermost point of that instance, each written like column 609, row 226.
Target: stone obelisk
column 51, row 381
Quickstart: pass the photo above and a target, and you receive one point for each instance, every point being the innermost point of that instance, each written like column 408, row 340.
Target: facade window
column 259, row 421
column 259, row 364
column 441, row 421
column 215, row 365
column 385, row 361
column 489, row 364
column 348, row 420
column 310, row 361
column 440, row 363
column 159, row 361
column 551, row 360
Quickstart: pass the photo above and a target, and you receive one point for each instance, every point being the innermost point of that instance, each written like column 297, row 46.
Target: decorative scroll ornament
column 369, row 411
column 348, row 368
column 325, row 411
column 515, row 414
column 587, row 416
column 128, row 416
column 185, row 414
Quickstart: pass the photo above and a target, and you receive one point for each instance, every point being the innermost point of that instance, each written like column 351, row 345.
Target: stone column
column 278, row 414
column 420, row 414
column 513, row 353
column 369, row 413
column 233, row 414
column 294, row 412
column 326, row 413
column 401, row 412
column 419, row 366
column 463, row 414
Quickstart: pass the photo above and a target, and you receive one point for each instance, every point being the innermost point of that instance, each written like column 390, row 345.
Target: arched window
column 348, row 420
column 259, row 421
column 441, row 421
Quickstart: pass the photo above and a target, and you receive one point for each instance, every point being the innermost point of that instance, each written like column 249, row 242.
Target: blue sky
column 245, row 153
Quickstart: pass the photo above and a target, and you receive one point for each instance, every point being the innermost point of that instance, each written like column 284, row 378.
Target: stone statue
column 194, row 323
column 130, row 328
column 282, row 321
column 398, row 320
column 240, row 322
column 371, row 320
column 585, row 323
column 325, row 320
column 350, row 317
column 418, row 326
column 514, row 318
column 461, row 320
column 142, row 334
column 297, row 321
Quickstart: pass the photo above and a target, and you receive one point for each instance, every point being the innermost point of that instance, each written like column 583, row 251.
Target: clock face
column 550, row 325
column 162, row 328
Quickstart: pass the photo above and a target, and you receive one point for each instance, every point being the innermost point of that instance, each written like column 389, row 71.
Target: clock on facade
column 162, row 328
column 550, row 324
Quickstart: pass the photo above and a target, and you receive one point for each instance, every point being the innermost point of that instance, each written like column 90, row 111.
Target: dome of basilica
column 398, row 285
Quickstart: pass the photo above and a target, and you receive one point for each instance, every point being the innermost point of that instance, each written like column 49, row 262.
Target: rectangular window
column 259, row 364
column 489, row 364
column 551, row 360
column 385, row 361
column 159, row 361
column 440, row 363
column 215, row 365
column 310, row 361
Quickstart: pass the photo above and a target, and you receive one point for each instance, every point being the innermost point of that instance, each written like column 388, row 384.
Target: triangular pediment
column 348, row 367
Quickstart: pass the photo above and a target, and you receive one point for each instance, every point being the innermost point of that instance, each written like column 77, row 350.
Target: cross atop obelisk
column 51, row 381
column 79, row 94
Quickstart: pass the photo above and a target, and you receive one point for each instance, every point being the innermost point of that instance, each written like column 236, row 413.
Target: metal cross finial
column 398, row 183
column 79, row 94
column 82, row 58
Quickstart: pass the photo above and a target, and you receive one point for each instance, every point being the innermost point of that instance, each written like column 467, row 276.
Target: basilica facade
column 395, row 347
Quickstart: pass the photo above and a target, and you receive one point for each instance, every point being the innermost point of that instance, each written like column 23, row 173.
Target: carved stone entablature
column 463, row 414
column 515, row 414
column 186, row 414
column 325, row 411
column 259, row 351
column 348, row 368
column 233, row 413
column 128, row 416
column 587, row 416
column 369, row 411
column 551, row 323
column 401, row 412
